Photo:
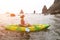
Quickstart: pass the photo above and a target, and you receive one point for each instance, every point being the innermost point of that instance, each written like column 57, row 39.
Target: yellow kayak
column 27, row 29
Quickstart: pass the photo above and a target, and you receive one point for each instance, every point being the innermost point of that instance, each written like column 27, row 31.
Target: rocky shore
column 9, row 35
column 12, row 35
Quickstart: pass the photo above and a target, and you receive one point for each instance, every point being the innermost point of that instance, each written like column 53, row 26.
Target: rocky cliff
column 44, row 10
column 55, row 8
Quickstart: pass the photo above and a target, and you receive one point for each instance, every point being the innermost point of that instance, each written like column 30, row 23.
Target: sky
column 28, row 6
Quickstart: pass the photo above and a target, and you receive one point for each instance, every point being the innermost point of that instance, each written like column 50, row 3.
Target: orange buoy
column 12, row 15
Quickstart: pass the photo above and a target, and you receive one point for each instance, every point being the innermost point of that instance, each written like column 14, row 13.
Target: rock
column 9, row 35
column 44, row 10
column 55, row 8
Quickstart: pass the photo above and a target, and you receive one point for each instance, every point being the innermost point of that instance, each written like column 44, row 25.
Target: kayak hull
column 32, row 28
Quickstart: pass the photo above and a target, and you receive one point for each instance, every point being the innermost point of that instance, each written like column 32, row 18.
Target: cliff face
column 55, row 8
